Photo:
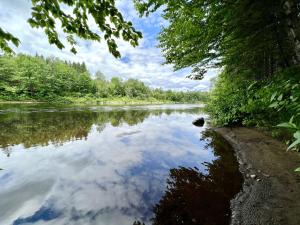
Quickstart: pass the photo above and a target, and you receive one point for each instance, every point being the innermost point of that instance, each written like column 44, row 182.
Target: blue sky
column 143, row 62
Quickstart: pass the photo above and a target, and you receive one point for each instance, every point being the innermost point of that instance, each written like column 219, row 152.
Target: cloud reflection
column 100, row 179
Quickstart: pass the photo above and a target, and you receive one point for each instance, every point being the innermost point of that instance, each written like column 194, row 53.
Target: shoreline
column 21, row 102
column 271, row 191
column 100, row 102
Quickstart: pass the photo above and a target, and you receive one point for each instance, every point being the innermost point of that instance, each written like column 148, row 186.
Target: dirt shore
column 271, row 189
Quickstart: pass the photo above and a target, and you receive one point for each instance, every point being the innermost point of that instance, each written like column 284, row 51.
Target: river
column 119, row 165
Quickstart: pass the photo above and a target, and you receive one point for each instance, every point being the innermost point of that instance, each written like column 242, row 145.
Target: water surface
column 113, row 166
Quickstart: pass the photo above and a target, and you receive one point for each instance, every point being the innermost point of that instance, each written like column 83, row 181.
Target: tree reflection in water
column 42, row 127
column 193, row 197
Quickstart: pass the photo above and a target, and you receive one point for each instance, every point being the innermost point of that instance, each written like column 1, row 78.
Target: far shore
column 20, row 102
column 100, row 102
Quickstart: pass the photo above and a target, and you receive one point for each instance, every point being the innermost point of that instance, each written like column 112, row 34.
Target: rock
column 253, row 176
column 199, row 122
column 266, row 175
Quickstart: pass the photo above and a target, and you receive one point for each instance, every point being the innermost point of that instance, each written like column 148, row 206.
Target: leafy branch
column 46, row 15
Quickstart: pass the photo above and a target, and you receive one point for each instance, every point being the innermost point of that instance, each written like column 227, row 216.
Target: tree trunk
column 291, row 9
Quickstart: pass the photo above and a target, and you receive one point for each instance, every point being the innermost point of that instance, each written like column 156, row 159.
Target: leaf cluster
column 74, row 17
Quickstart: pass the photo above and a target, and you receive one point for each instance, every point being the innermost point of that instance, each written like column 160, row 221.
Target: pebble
column 253, row 176
column 266, row 175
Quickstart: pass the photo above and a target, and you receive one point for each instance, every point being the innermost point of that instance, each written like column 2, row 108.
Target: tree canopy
column 243, row 35
column 74, row 22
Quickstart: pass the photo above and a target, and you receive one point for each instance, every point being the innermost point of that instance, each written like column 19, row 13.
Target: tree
column 134, row 88
column 260, row 37
column 46, row 14
column 99, row 76
column 116, row 87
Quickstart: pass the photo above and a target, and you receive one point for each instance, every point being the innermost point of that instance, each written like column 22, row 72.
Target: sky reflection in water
column 94, row 165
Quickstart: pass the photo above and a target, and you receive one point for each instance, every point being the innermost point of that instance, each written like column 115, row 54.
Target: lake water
column 113, row 166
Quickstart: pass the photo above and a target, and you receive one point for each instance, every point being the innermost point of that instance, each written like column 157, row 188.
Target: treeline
column 25, row 77
column 136, row 89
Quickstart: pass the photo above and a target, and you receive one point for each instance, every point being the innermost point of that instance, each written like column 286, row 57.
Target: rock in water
column 199, row 122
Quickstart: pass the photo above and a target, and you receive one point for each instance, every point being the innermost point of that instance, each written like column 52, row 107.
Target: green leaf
column 251, row 85
column 287, row 125
column 294, row 144
column 73, row 50
column 297, row 135
column 273, row 105
column 297, row 170
column 273, row 96
column 47, row 14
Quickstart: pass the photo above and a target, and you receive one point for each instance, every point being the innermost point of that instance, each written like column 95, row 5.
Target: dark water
column 113, row 166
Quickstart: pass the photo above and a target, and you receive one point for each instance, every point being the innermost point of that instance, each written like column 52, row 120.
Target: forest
column 25, row 78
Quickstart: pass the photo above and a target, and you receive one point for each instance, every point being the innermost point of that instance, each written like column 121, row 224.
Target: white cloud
column 142, row 62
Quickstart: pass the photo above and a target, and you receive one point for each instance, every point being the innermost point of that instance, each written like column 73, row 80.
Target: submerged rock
column 199, row 122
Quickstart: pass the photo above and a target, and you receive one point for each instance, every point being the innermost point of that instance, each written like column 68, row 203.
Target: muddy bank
column 271, row 191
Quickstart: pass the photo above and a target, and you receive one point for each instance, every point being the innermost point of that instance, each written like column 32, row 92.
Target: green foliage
column 116, row 87
column 35, row 78
column 48, row 14
column 286, row 100
column 287, row 96
column 296, row 129
column 263, row 103
column 99, row 76
column 136, row 89
column 268, row 102
column 6, row 37
column 244, row 35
